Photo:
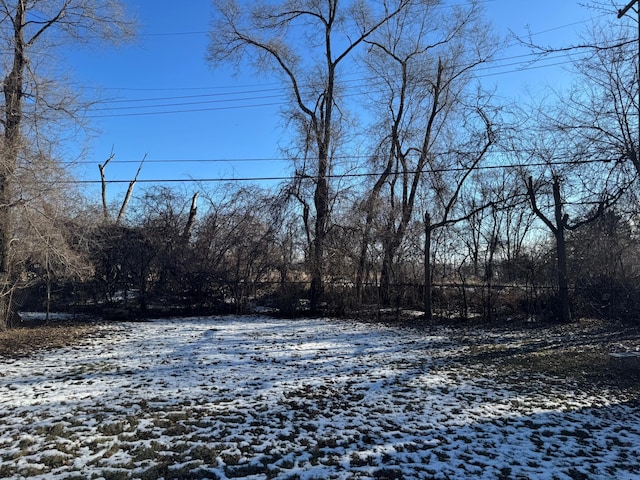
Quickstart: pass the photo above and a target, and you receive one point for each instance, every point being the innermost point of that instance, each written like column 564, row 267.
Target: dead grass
column 23, row 341
column 578, row 352
column 591, row 366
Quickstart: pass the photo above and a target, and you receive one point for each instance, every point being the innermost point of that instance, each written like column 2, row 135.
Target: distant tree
column 165, row 217
column 31, row 31
column 308, row 43
column 595, row 128
column 122, row 257
column 49, row 246
column 602, row 110
column 605, row 248
column 495, row 239
column 603, row 259
column 238, row 251
column 106, row 214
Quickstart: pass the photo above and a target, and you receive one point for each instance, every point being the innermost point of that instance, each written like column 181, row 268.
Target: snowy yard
column 254, row 397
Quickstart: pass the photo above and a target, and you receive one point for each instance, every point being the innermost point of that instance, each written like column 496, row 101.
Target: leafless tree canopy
column 30, row 33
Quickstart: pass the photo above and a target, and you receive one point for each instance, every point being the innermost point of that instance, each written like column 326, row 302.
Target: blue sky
column 166, row 66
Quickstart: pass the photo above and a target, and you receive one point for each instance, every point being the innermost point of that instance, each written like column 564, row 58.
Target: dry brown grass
column 25, row 340
column 577, row 352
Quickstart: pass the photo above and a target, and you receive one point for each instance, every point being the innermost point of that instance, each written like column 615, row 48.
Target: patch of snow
column 254, row 397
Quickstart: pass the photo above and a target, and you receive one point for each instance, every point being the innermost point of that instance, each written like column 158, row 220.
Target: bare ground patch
column 25, row 340
column 579, row 352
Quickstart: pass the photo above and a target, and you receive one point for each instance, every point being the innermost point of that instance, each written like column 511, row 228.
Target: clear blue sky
column 217, row 116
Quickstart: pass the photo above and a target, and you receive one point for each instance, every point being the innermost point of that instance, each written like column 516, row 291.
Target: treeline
column 413, row 185
column 243, row 249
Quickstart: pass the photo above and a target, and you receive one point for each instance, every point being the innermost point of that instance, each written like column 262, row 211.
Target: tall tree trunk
column 321, row 202
column 564, row 303
column 324, row 135
column 13, row 95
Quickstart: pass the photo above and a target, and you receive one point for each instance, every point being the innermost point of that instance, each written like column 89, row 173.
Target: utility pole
column 622, row 12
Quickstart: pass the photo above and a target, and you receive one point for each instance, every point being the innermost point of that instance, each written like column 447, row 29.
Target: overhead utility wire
column 180, row 97
column 526, row 59
column 559, row 27
column 182, row 104
column 190, row 110
column 367, row 81
column 288, row 159
column 254, row 105
column 529, row 66
column 343, row 175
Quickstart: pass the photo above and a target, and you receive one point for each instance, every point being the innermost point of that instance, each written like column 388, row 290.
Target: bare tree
column 237, row 246
column 602, row 108
column 106, row 216
column 446, row 200
column 590, row 187
column 595, row 131
column 603, row 258
column 493, row 236
column 31, row 28
column 306, row 42
column 424, row 61
column 48, row 238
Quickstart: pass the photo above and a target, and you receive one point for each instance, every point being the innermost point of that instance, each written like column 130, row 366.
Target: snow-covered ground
column 255, row 397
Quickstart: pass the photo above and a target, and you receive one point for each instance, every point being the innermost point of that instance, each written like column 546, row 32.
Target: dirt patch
column 22, row 341
column 578, row 352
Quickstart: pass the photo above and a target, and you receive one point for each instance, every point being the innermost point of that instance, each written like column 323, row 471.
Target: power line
column 181, row 104
column 180, row 97
column 251, row 105
column 278, row 85
column 337, row 176
column 289, row 159
column 449, row 5
column 369, row 82
column 190, row 110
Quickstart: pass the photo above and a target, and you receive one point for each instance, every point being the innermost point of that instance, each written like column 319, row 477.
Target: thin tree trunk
column 362, row 262
column 428, row 300
column 193, row 211
column 49, row 280
column 321, row 203
column 103, row 182
column 558, row 229
column 386, row 274
column 127, row 197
